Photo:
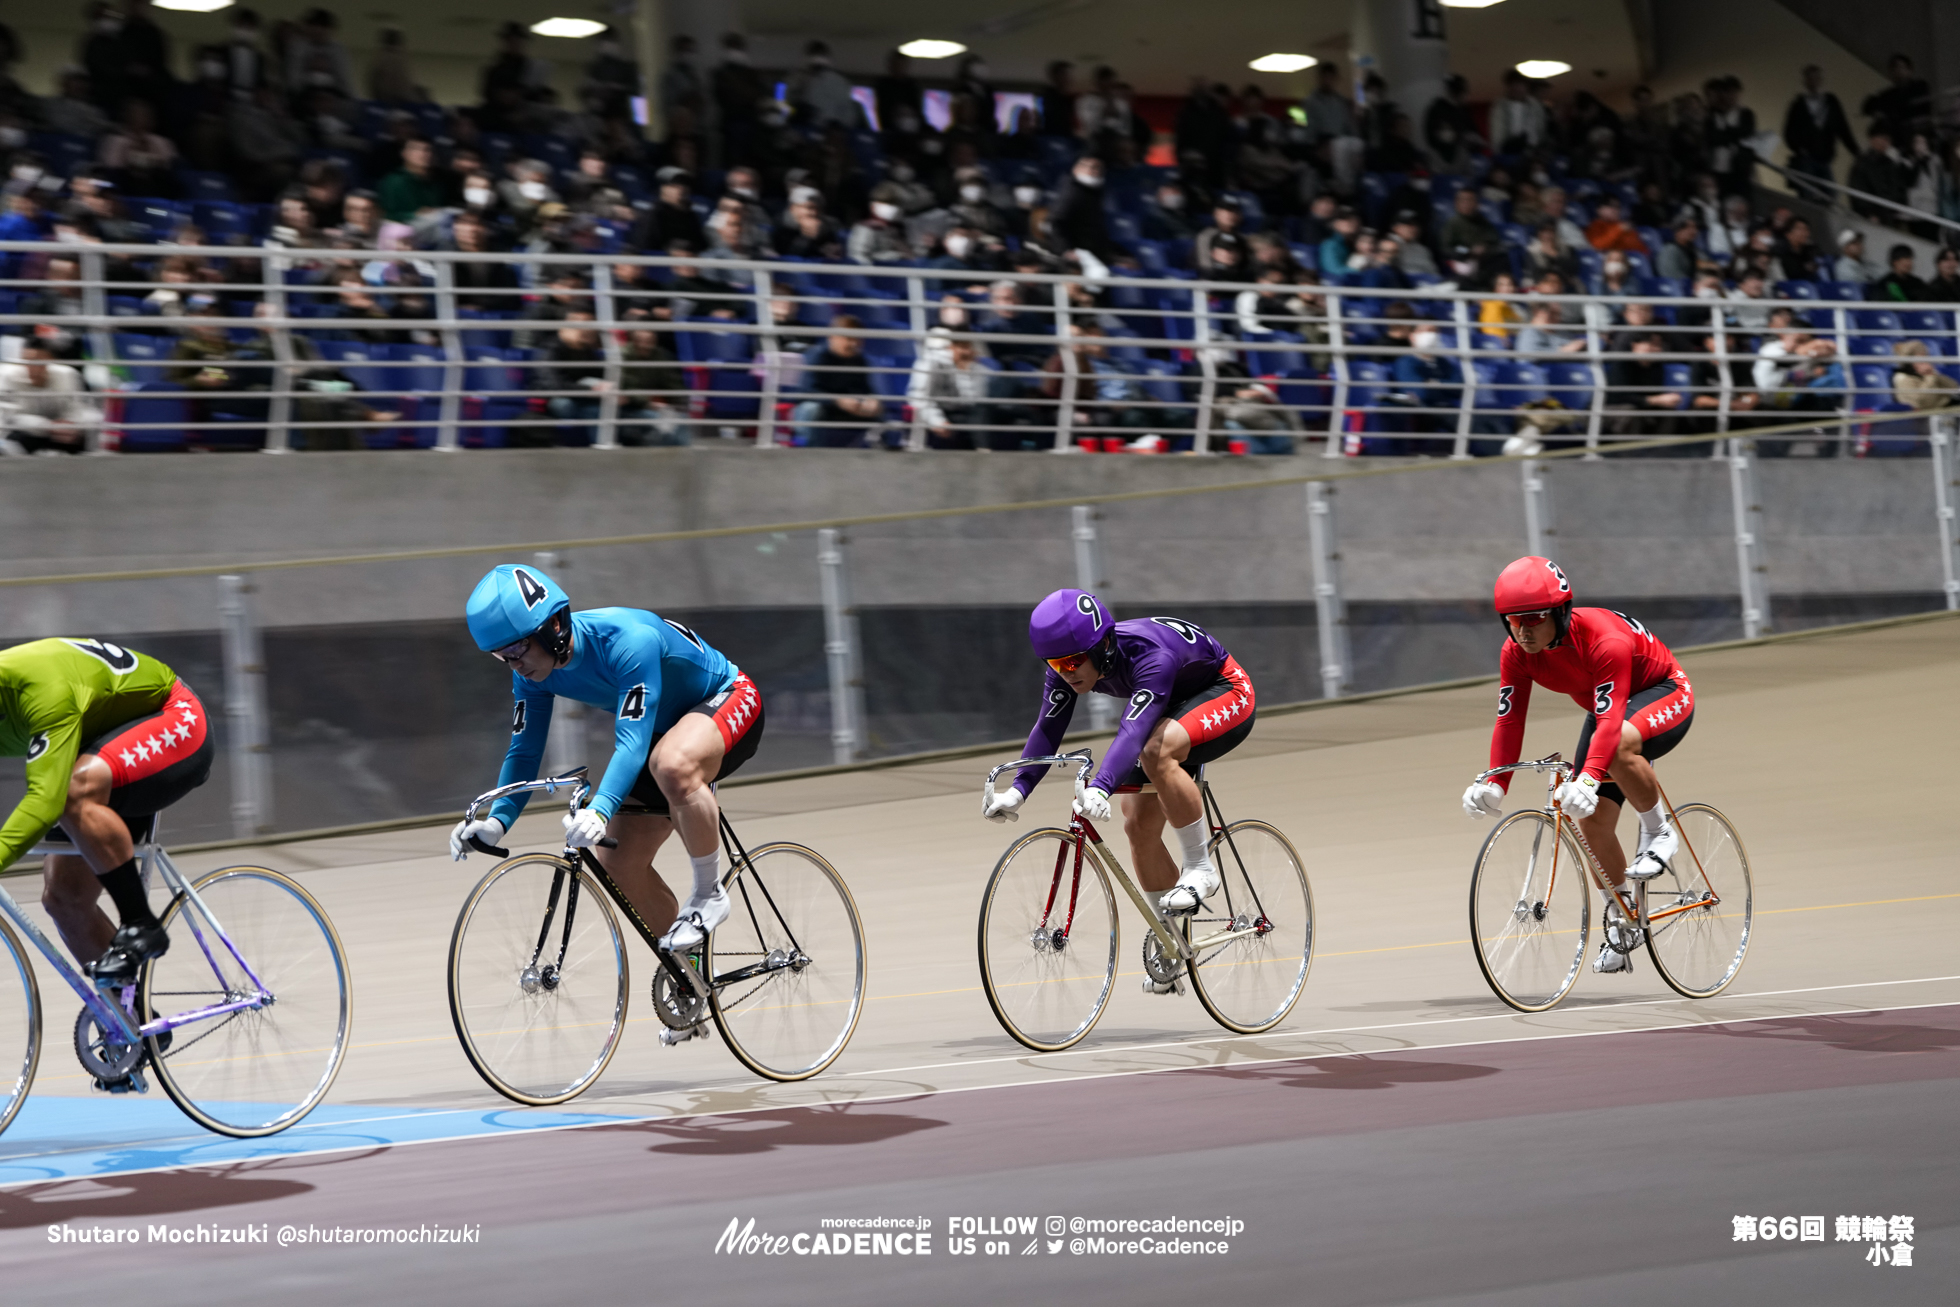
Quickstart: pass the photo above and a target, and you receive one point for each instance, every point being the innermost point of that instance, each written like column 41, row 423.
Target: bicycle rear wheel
column 1700, row 908
column 256, row 1070
column 20, row 1025
column 1048, row 940
column 1528, row 917
column 537, row 979
column 1251, row 978
column 788, row 964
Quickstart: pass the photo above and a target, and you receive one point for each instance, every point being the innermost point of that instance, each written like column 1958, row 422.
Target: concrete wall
column 1625, row 527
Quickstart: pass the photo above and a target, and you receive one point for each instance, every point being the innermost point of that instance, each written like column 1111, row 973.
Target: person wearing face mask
column 899, row 96
column 972, row 82
column 806, row 232
column 527, row 189
column 963, row 251
column 1027, row 203
column 1429, row 383
column 820, row 93
column 1077, row 221
column 1168, row 217
column 672, row 217
column 880, row 238
column 911, row 194
column 973, row 209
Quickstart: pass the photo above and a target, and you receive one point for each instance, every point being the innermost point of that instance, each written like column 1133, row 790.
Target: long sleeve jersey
column 1604, row 658
column 1157, row 662
column 646, row 669
column 54, row 696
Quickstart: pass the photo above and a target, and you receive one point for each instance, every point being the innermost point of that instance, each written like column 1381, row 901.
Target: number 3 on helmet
column 1534, row 585
column 512, row 603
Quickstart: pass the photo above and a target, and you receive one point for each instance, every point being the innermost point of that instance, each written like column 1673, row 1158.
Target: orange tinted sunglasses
column 1068, row 664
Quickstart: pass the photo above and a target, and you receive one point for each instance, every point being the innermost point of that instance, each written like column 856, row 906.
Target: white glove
column 1093, row 804
column 584, row 828
column 1005, row 805
column 1578, row 796
column 1484, row 799
column 489, row 830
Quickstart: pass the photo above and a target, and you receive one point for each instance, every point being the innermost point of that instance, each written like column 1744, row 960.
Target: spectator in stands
column 1813, row 127
column 1552, row 200
column 1944, row 288
column 899, row 97
column 672, row 217
column 1902, row 107
column 247, row 67
column 413, row 192
column 44, row 404
column 820, row 94
column 1899, row 285
column 1227, row 218
column 1167, row 217
column 1467, row 225
column 317, row 60
column 738, row 91
column 391, row 79
column 808, row 234
column 1917, row 382
column 136, row 157
column 950, row 391
column 1501, row 317
column 1802, row 260
column 1270, row 427
column 1925, row 178
column 653, row 393
column 730, row 233
column 1680, row 257
column 1006, row 316
column 1781, row 348
column 972, row 81
column 72, row 112
column 1731, row 125
column 510, row 81
column 1107, row 394
column 1880, row 172
column 973, row 208
column 880, row 237
column 1449, row 127
column 574, row 373
column 139, row 63
column 848, row 403
column 266, row 144
column 1430, row 383
column 1609, row 231
column 1547, row 253
column 482, row 285
column 1729, row 238
column 1639, row 400
column 1545, row 334
column 1517, row 122
column 1057, row 100
column 1412, row 257
column 1077, row 220
column 1851, row 264
column 1749, row 301
column 526, row 191
column 1337, row 251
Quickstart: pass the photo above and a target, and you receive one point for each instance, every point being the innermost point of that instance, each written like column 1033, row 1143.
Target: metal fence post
column 607, row 435
column 245, row 710
column 1466, row 393
column 1089, row 575
column 279, row 409
column 1337, row 344
column 1065, row 411
column 565, row 745
column 771, row 359
column 840, row 647
column 95, row 302
column 1944, row 485
column 1207, row 370
column 1336, row 655
column 1537, row 508
column 451, row 405
column 1747, row 498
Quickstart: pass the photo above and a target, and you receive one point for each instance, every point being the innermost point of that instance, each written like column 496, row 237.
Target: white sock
column 706, row 877
column 1192, row 840
column 1650, row 820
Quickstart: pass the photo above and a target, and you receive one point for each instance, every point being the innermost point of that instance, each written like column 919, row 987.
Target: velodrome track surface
column 1402, row 1138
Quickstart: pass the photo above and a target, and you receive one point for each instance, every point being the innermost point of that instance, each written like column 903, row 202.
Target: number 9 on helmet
column 512, row 603
column 1068, row 622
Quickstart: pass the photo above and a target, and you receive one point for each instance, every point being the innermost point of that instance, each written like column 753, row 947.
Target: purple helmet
column 1068, row 622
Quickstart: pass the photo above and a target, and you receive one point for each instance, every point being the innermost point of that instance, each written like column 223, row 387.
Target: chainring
column 104, row 1060
column 677, row 1008
column 1159, row 966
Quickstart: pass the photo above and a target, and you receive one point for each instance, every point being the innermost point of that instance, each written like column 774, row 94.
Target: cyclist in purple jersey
column 1189, row 702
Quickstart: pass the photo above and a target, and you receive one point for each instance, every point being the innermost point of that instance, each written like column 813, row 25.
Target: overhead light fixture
column 1543, row 67
column 1282, row 63
column 574, row 28
column 1468, row 4
column 927, row 48
column 195, row 6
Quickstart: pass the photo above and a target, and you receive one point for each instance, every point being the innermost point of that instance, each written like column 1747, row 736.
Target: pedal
column 671, row 1037
column 1175, row 986
column 132, row 1083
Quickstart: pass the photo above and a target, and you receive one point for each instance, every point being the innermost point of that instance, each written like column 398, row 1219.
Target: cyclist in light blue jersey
column 684, row 718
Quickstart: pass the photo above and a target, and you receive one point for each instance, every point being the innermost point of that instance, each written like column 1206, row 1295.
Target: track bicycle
column 1530, row 924
column 538, row 977
column 1048, row 930
column 270, row 1000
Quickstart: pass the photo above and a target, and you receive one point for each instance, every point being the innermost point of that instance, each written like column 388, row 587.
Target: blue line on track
column 74, row 1138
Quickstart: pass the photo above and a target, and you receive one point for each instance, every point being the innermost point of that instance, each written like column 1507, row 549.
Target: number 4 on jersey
column 634, row 706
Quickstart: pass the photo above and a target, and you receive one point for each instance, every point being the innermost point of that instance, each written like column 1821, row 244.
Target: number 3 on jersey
column 634, row 706
column 1603, row 697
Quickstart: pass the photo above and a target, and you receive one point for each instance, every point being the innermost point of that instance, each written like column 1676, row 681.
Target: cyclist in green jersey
column 111, row 737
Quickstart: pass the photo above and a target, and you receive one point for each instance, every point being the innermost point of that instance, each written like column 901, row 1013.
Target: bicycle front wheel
column 1699, row 909
column 1048, row 940
column 20, row 1025
column 788, row 964
column 1528, row 916
column 537, row 979
column 256, row 1069
column 1252, row 961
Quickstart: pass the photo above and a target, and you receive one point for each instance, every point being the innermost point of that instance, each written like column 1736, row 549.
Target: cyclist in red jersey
column 1638, row 706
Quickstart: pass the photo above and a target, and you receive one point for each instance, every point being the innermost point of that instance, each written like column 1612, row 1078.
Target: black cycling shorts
column 737, row 714
column 1217, row 718
column 1668, row 724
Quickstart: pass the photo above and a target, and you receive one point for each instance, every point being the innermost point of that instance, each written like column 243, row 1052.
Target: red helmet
column 1532, row 585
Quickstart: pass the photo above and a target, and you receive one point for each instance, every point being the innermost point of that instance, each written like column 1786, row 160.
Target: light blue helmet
column 512, row 602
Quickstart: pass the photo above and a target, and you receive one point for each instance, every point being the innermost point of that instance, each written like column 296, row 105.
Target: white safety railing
column 302, row 348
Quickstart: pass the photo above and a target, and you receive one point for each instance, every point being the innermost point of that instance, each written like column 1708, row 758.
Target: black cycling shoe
column 126, row 954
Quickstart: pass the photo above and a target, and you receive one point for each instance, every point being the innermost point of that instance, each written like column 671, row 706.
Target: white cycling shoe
column 671, row 1037
column 698, row 918
column 1655, row 854
column 1609, row 962
column 1193, row 887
